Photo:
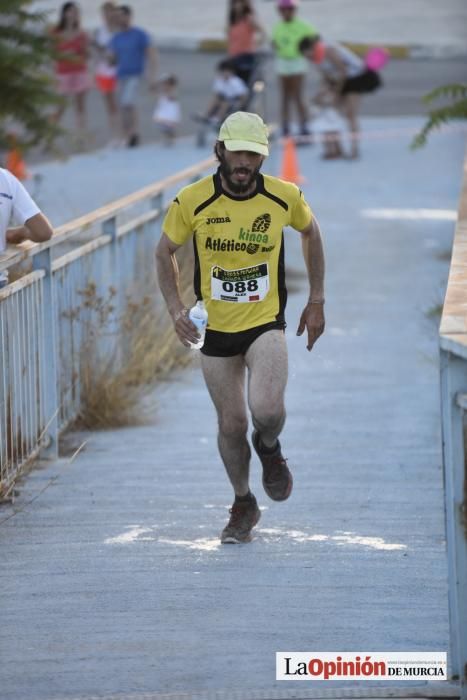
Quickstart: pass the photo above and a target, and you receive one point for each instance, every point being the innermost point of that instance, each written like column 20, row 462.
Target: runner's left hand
column 312, row 319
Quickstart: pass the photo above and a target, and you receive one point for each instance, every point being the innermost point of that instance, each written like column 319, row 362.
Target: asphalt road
column 405, row 83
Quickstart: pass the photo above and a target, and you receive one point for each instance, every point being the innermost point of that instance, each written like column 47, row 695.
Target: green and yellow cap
column 245, row 131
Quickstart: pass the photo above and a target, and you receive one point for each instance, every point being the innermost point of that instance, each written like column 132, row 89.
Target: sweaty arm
column 169, row 283
column 312, row 317
column 36, row 229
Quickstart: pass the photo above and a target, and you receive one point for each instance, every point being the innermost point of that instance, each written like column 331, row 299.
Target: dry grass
column 146, row 351
column 113, row 388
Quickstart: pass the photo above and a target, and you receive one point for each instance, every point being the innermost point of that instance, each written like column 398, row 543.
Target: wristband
column 316, row 301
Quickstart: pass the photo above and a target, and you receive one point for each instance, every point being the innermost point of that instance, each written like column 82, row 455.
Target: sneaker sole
column 235, row 540
column 230, row 539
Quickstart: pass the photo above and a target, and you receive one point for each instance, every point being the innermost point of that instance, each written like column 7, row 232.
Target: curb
column 396, row 51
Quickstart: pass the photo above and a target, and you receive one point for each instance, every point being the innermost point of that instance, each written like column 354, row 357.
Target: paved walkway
column 113, row 580
column 434, row 25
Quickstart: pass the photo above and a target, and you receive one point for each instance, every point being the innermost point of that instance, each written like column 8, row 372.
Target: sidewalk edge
column 396, row 51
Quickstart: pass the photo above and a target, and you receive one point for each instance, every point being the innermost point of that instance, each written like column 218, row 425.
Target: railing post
column 453, row 404
column 156, row 201
column 48, row 392
column 109, row 228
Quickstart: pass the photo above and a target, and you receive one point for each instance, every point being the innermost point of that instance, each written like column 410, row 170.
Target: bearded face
column 239, row 171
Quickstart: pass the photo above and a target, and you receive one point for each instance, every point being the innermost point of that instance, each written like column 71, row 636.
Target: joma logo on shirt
column 218, row 220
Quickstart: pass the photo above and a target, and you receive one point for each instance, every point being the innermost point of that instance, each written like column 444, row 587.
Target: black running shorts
column 220, row 344
column 365, row 82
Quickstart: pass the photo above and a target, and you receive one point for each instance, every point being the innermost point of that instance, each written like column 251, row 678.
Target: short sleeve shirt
column 238, row 243
column 130, row 48
column 287, row 36
column 16, row 206
column 229, row 89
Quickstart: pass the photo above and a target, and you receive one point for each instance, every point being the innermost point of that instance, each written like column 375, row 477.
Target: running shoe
column 243, row 517
column 277, row 477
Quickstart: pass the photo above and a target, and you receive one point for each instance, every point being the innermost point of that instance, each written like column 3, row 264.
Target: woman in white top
column 346, row 74
column 105, row 72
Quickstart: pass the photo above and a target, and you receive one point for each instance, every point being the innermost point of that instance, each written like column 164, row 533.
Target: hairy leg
column 267, row 378
column 80, row 108
column 350, row 108
column 129, row 120
column 111, row 106
column 284, row 81
column 297, row 89
column 225, row 379
column 60, row 111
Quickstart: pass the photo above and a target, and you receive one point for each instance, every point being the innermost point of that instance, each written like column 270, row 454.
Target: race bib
column 246, row 285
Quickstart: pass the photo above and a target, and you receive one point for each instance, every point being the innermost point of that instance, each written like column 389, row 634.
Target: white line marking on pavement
column 411, row 214
column 269, row 535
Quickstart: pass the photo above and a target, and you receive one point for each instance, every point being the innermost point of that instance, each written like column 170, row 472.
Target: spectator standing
column 244, row 36
column 291, row 66
column 347, row 75
column 105, row 71
column 16, row 203
column 72, row 45
column 131, row 49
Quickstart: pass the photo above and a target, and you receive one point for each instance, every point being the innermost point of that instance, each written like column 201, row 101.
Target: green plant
column 457, row 109
column 28, row 91
column 123, row 356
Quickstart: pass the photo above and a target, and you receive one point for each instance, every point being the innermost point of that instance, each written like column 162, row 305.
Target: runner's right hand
column 184, row 328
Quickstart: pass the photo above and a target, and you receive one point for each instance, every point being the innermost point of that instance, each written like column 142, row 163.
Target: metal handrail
column 40, row 334
column 108, row 211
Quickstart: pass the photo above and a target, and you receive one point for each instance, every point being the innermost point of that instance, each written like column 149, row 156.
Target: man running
column 236, row 218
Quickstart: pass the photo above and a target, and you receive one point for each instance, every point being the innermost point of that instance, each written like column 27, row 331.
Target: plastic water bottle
column 199, row 316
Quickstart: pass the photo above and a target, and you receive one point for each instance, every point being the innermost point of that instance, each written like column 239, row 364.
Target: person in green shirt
column 291, row 66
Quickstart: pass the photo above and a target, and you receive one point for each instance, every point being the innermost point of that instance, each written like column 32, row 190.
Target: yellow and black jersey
column 239, row 247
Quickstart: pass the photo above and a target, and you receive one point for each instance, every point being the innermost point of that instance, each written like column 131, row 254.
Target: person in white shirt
column 346, row 75
column 17, row 206
column 230, row 94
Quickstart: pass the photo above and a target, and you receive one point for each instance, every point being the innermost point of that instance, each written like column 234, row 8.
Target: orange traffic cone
column 289, row 170
column 15, row 164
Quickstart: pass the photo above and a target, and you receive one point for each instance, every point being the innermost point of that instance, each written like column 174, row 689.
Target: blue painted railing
column 42, row 335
